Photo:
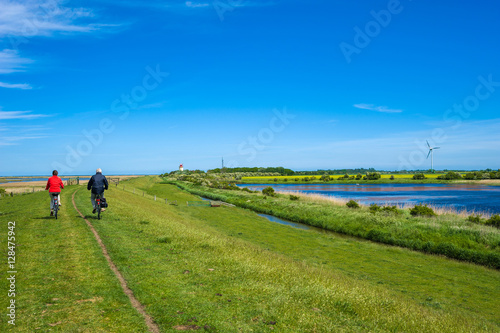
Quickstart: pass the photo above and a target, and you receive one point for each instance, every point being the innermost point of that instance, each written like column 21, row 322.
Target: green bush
column 450, row 175
column 391, row 209
column 359, row 176
column 352, row 204
column 420, row 210
column 294, row 197
column 392, row 177
column 375, row 208
column 470, row 176
column 419, row 176
column 246, row 189
column 474, row 218
column 372, row 176
column 494, row 221
column 269, row 191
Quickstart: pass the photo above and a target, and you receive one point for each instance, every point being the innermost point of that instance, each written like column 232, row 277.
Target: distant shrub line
column 465, row 245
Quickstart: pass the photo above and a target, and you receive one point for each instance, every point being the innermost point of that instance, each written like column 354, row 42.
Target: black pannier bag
column 104, row 204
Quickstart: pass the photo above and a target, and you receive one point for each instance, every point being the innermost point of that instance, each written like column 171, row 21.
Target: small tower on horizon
column 181, row 168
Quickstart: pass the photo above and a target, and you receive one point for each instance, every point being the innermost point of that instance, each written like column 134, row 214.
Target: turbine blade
column 428, row 143
column 436, row 147
column 429, row 153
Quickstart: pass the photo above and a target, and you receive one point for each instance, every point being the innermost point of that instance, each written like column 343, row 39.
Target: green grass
column 432, row 281
column 228, row 270
column 448, row 234
column 62, row 277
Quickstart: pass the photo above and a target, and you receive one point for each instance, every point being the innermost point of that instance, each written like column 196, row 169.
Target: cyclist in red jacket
column 54, row 185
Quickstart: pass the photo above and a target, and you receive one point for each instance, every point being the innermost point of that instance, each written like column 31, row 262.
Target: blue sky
column 143, row 86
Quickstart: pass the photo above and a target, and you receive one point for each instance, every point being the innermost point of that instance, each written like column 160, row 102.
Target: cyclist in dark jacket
column 98, row 183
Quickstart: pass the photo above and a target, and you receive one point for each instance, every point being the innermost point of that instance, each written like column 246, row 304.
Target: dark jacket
column 98, row 183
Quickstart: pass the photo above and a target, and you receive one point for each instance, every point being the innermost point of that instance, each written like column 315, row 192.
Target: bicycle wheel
column 99, row 209
column 56, row 208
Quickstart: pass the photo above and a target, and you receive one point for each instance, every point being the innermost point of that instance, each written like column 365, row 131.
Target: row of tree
column 282, row 171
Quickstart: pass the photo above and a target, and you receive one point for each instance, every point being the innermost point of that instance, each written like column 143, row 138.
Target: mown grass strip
column 189, row 274
column 135, row 303
column 63, row 282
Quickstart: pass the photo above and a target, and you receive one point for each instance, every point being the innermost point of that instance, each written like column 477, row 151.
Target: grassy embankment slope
column 434, row 282
column 448, row 234
column 223, row 269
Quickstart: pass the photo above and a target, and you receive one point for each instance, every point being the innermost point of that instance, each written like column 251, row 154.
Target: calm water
column 460, row 197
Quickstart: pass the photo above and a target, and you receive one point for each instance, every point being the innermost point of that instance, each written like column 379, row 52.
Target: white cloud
column 11, row 62
column 191, row 4
column 372, row 107
column 19, row 115
column 42, row 18
column 23, row 86
column 14, row 140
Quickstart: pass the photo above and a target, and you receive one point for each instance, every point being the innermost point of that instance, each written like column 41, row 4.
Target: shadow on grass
column 44, row 218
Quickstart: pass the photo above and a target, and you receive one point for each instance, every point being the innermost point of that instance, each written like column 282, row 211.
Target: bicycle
column 100, row 204
column 55, row 199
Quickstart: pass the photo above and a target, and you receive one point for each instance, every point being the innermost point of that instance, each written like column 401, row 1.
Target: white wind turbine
column 430, row 153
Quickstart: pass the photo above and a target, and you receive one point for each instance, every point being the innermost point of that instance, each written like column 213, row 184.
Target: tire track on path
column 153, row 327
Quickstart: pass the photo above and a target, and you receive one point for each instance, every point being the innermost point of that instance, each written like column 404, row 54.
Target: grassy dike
column 183, row 264
column 449, row 235
column 63, row 283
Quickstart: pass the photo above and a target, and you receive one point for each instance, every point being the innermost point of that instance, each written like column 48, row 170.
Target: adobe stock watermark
column 364, row 36
column 252, row 145
column 223, row 6
column 454, row 118
column 120, row 106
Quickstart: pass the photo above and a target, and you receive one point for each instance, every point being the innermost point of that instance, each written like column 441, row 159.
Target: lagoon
column 460, row 197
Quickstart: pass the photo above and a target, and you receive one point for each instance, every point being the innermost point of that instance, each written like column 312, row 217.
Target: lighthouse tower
column 181, row 168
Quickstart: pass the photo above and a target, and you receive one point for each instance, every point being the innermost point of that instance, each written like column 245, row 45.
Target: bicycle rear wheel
column 99, row 210
column 56, row 208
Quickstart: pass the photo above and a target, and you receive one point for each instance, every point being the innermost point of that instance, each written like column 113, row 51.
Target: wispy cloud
column 4, row 115
column 11, row 62
column 191, row 4
column 30, row 18
column 15, row 140
column 373, row 107
column 23, row 86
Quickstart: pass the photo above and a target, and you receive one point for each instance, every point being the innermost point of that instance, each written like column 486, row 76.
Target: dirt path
column 153, row 327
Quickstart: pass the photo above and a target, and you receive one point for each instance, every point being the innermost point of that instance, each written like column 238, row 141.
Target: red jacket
column 54, row 183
